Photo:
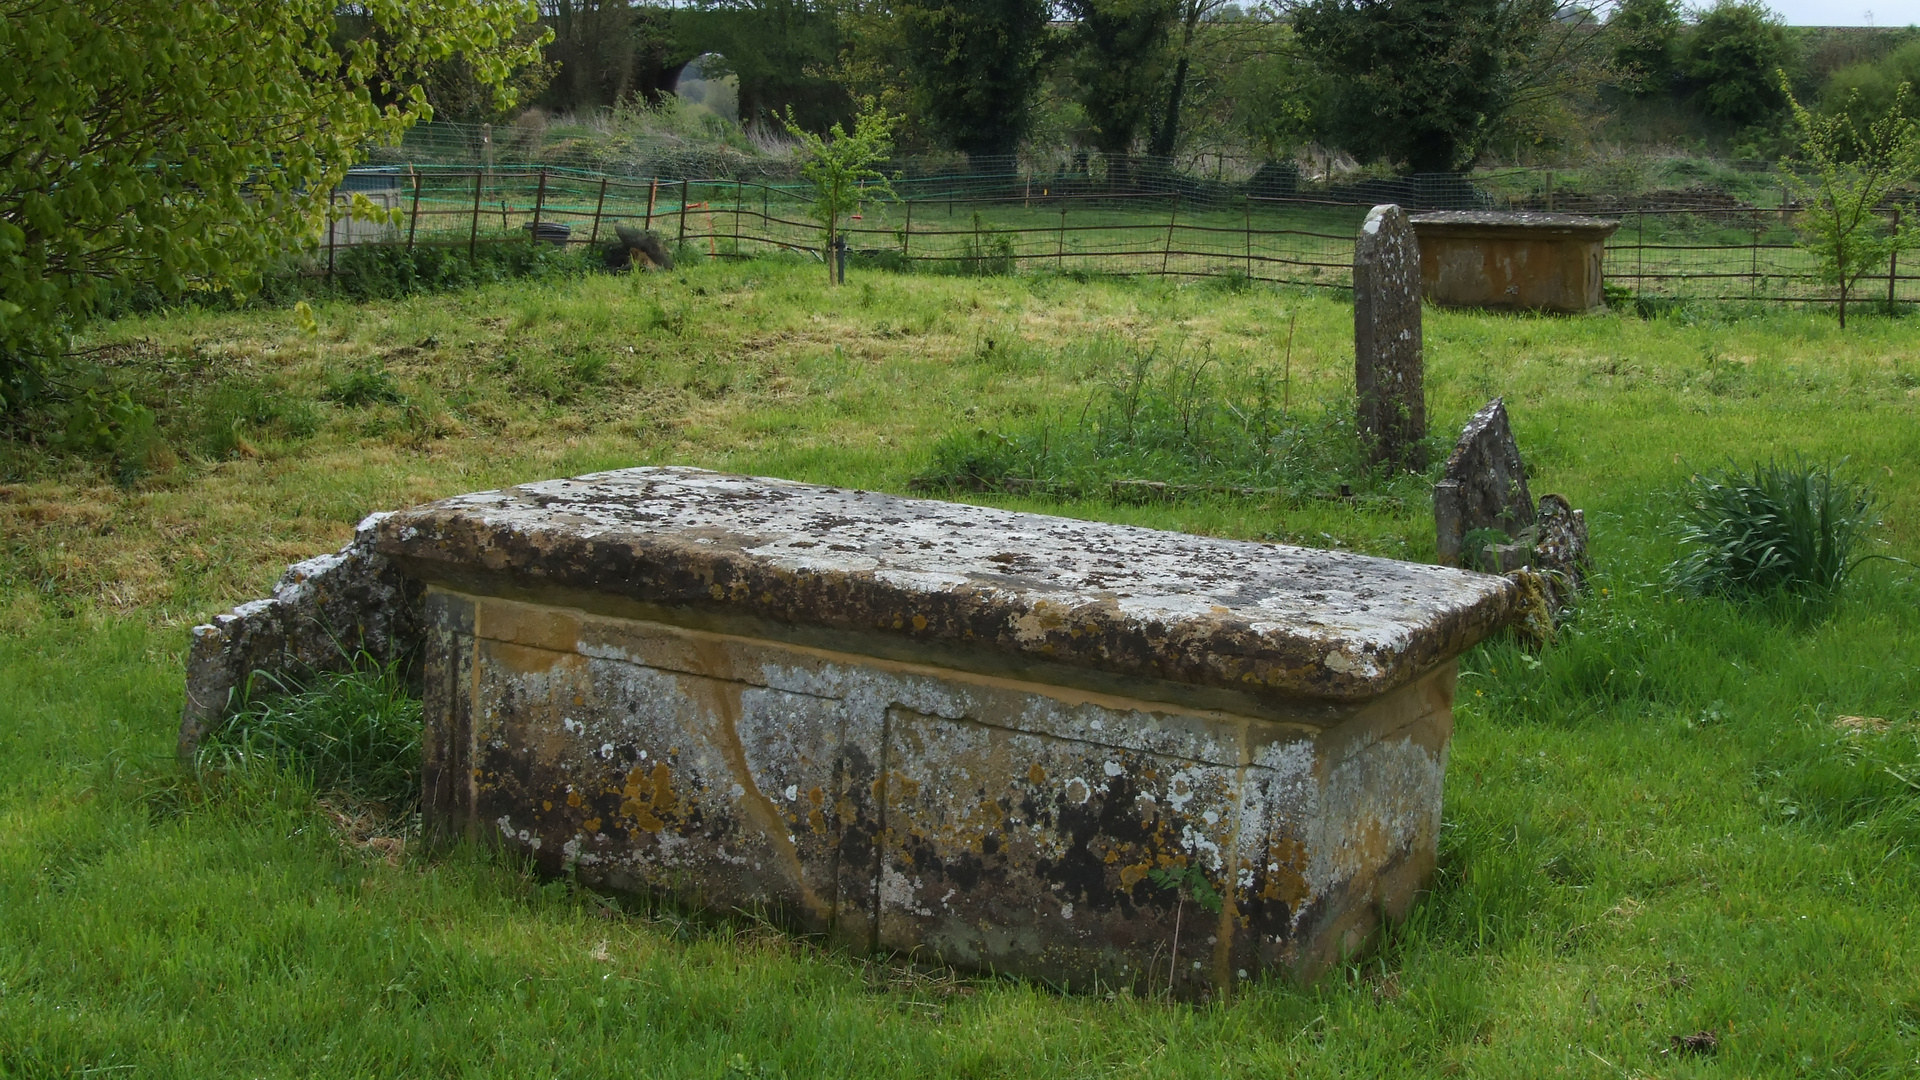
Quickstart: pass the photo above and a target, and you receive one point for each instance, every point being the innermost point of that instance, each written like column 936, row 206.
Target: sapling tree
column 841, row 165
column 1844, row 174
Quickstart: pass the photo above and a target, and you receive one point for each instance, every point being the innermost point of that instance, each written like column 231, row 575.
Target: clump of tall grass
column 1778, row 530
column 355, row 733
column 1185, row 421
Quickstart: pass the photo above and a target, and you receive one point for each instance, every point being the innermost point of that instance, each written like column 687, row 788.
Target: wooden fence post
column 413, row 220
column 333, row 232
column 653, row 190
column 737, row 185
column 686, row 187
column 473, row 234
column 1753, row 265
column 1171, row 218
column 598, row 207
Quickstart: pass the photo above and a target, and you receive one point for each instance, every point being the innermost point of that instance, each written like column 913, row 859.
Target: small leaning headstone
column 1388, row 366
column 1485, row 519
column 1485, row 485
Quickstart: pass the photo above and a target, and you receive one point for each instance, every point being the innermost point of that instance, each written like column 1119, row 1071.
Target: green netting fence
column 1010, row 223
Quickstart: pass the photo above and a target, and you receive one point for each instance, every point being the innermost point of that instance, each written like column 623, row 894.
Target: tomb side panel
column 1371, row 838
column 706, row 787
column 1016, row 851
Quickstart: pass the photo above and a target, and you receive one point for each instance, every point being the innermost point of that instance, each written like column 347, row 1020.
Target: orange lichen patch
column 591, row 825
column 816, row 811
column 1036, row 775
column 573, row 799
column 649, row 798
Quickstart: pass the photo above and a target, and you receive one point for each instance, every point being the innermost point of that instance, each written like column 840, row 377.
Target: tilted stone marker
column 1484, row 485
column 1389, row 373
column 963, row 732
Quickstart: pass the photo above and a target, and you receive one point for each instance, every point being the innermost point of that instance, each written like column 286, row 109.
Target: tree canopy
column 977, row 65
column 182, row 145
column 1427, row 82
column 1733, row 57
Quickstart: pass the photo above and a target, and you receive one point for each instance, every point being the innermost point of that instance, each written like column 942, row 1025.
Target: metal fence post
column 686, row 187
column 539, row 200
column 473, row 234
column 598, row 207
column 1171, row 218
column 413, row 220
column 1893, row 260
column 906, row 234
column 1060, row 245
column 1248, row 208
column 333, row 234
column 1640, row 257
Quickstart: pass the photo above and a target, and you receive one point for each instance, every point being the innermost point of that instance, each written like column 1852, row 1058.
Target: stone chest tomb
column 919, row 726
column 1513, row 260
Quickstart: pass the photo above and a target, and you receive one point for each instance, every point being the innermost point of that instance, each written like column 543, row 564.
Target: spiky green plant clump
column 1771, row 531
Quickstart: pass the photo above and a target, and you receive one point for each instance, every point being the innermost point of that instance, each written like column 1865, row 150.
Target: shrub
column 363, row 384
column 1775, row 530
column 355, row 732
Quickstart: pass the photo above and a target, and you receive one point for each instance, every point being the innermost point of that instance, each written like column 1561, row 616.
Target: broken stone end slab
column 324, row 615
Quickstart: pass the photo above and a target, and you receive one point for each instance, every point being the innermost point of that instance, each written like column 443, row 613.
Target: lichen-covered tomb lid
column 1273, row 622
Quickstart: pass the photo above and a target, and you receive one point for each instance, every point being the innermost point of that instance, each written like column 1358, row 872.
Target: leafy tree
column 1167, row 126
column 976, row 66
column 1866, row 91
column 182, row 145
column 1268, row 92
column 1843, row 177
column 1427, row 82
column 841, row 167
column 781, row 51
column 1731, row 57
column 1119, row 65
column 606, row 50
column 1644, row 36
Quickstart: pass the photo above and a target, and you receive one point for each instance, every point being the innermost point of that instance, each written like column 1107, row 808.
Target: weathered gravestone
column 1389, row 374
column 1082, row 752
column 1484, row 516
column 1484, row 486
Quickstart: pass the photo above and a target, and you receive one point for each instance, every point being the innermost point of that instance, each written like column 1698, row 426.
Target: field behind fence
column 1011, row 224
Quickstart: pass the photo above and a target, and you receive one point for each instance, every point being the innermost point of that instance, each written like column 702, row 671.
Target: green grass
column 1655, row 827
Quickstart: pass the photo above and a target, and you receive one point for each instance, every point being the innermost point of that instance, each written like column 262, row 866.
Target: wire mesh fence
column 1013, row 224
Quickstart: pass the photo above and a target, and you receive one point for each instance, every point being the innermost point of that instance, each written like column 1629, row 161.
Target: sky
column 1846, row 12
